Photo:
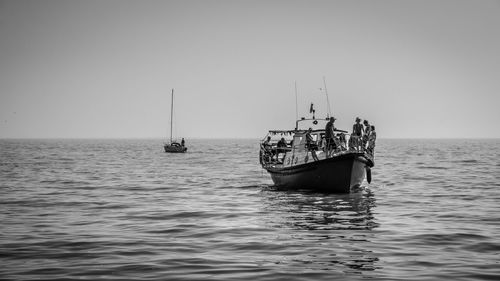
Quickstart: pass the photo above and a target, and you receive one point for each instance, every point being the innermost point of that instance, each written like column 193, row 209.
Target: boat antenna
column 171, row 114
column 296, row 106
column 327, row 100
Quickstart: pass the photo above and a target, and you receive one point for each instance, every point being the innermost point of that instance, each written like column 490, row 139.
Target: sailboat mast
column 171, row 114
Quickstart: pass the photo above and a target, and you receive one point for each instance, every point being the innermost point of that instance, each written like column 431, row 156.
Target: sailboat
column 174, row 146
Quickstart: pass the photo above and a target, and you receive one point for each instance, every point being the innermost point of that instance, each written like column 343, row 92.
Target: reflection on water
column 315, row 211
column 337, row 228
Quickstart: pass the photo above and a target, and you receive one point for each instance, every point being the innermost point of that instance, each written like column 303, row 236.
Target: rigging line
column 175, row 135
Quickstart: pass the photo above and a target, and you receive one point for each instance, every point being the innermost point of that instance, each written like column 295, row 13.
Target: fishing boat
column 302, row 159
column 174, row 146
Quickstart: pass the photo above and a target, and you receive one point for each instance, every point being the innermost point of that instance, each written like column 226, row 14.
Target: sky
column 106, row 69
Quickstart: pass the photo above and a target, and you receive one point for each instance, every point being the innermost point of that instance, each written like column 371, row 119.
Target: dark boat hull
column 338, row 174
column 175, row 149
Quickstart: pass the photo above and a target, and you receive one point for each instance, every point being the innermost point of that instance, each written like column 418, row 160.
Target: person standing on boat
column 366, row 135
column 183, row 142
column 330, row 134
column 357, row 133
column 371, row 141
column 310, row 145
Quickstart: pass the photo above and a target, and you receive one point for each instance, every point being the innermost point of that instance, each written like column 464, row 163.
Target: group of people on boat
column 363, row 136
column 281, row 146
column 332, row 141
column 270, row 152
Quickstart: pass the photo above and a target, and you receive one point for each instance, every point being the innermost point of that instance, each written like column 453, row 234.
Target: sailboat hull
column 175, row 149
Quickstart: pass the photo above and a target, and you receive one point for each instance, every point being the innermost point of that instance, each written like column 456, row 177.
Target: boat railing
column 313, row 122
column 271, row 153
column 348, row 143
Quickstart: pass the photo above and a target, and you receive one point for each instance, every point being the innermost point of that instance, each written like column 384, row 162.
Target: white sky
column 106, row 68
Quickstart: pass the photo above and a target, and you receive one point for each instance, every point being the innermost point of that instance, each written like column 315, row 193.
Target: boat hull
column 338, row 174
column 175, row 149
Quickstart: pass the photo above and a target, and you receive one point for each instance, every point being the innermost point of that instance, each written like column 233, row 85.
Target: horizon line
column 221, row 138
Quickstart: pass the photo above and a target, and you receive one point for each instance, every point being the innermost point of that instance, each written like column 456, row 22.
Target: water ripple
column 123, row 209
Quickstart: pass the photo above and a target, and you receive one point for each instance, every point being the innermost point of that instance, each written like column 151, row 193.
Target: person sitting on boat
column 371, row 141
column 267, row 142
column 266, row 150
column 343, row 145
column 329, row 135
column 310, row 145
column 281, row 148
column 357, row 133
column 183, row 142
column 282, row 145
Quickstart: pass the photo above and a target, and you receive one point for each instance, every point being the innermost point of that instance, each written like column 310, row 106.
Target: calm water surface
column 125, row 210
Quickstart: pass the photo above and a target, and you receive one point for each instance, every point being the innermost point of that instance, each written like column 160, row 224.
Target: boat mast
column 327, row 100
column 296, row 106
column 171, row 114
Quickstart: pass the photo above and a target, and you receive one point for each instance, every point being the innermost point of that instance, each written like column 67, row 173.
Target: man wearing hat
column 357, row 132
column 329, row 134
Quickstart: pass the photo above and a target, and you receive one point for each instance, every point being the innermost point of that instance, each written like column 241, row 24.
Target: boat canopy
column 282, row 132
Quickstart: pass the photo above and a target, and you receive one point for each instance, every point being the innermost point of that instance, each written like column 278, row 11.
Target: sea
column 122, row 209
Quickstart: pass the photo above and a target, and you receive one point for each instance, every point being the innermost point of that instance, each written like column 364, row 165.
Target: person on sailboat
column 183, row 142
